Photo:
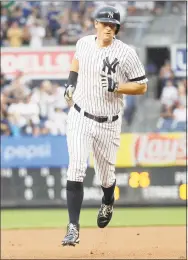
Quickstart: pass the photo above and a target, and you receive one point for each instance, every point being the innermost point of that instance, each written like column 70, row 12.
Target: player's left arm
column 137, row 84
column 131, row 88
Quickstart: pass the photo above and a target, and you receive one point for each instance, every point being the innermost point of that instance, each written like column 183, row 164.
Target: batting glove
column 69, row 90
column 109, row 83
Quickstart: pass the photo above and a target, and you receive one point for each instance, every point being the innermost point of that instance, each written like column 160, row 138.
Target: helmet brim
column 108, row 20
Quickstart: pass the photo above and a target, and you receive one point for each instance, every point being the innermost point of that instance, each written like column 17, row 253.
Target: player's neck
column 102, row 44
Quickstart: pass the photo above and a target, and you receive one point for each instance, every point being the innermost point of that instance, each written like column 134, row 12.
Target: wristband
column 72, row 80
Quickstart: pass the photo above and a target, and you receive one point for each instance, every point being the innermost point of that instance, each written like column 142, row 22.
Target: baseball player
column 103, row 69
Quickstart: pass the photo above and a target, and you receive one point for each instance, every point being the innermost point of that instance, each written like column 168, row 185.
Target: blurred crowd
column 42, row 23
column 28, row 110
column 40, row 109
column 173, row 116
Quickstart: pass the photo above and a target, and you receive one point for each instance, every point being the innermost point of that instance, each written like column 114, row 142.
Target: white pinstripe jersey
column 118, row 59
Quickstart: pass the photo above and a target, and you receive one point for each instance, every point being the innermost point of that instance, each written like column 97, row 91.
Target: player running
column 103, row 69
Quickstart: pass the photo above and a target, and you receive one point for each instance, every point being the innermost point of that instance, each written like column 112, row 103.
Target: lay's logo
column 158, row 149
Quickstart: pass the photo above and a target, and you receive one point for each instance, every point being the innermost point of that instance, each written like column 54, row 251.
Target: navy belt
column 96, row 118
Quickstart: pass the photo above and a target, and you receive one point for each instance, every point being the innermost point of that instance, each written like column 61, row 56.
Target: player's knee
column 76, row 172
column 106, row 183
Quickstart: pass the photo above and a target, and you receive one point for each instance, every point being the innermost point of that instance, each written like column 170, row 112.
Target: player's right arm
column 74, row 65
column 70, row 86
column 134, row 70
column 137, row 81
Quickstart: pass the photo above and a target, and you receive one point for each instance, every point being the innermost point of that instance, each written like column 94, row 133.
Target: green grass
column 55, row 218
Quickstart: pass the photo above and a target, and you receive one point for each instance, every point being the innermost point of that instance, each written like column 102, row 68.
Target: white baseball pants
column 85, row 135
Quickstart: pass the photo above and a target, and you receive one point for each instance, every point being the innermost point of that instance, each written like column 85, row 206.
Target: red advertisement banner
column 46, row 62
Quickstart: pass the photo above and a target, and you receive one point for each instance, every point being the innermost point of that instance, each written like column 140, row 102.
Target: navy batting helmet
column 109, row 14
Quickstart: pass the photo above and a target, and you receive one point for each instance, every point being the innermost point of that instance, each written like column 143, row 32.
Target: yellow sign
column 116, row 193
column 183, row 191
column 137, row 180
column 152, row 149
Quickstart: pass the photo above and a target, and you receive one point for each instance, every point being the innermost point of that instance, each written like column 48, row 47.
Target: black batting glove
column 69, row 90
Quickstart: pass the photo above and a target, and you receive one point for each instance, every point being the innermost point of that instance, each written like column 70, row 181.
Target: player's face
column 105, row 31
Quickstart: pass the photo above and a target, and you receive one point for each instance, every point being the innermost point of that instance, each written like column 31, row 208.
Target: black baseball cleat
column 105, row 215
column 72, row 236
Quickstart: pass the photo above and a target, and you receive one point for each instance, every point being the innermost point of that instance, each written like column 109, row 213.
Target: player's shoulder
column 123, row 46
column 86, row 39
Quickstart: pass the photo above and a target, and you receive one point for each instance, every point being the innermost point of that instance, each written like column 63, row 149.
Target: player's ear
column 96, row 24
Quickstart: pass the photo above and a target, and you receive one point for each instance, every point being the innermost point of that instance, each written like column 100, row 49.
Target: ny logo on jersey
column 110, row 15
column 111, row 67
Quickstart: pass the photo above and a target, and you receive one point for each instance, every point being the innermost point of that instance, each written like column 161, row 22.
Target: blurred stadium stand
column 151, row 27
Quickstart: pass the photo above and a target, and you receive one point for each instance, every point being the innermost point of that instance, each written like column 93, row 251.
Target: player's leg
column 79, row 141
column 105, row 147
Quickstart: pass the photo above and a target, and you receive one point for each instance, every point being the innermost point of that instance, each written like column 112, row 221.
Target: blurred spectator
column 4, row 27
column 37, row 32
column 52, row 19
column 76, row 6
column 73, row 30
column 35, row 14
column 63, row 21
column 166, row 71
column 166, row 111
column 4, row 130
column 169, row 95
column 17, row 16
column 26, row 9
column 179, row 113
column 165, row 74
column 42, row 97
column 182, row 93
column 15, row 35
column 166, row 119
column 4, row 82
column 49, row 40
column 180, row 119
column 26, row 13
column 24, row 115
column 57, row 121
column 3, row 36
column 17, row 89
column 88, row 27
column 57, row 95
column 4, row 16
column 26, row 36
column 173, row 110
column 14, row 125
column 88, row 10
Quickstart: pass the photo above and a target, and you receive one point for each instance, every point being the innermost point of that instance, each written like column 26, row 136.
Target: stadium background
column 37, row 45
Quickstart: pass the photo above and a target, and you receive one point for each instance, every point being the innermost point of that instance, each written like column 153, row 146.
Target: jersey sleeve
column 134, row 69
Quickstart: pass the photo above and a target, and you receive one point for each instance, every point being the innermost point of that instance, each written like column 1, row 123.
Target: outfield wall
column 150, row 170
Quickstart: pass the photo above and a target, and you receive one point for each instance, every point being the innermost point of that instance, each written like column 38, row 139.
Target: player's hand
column 108, row 82
column 69, row 90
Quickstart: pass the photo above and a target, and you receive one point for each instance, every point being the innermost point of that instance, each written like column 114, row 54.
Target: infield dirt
column 108, row 243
